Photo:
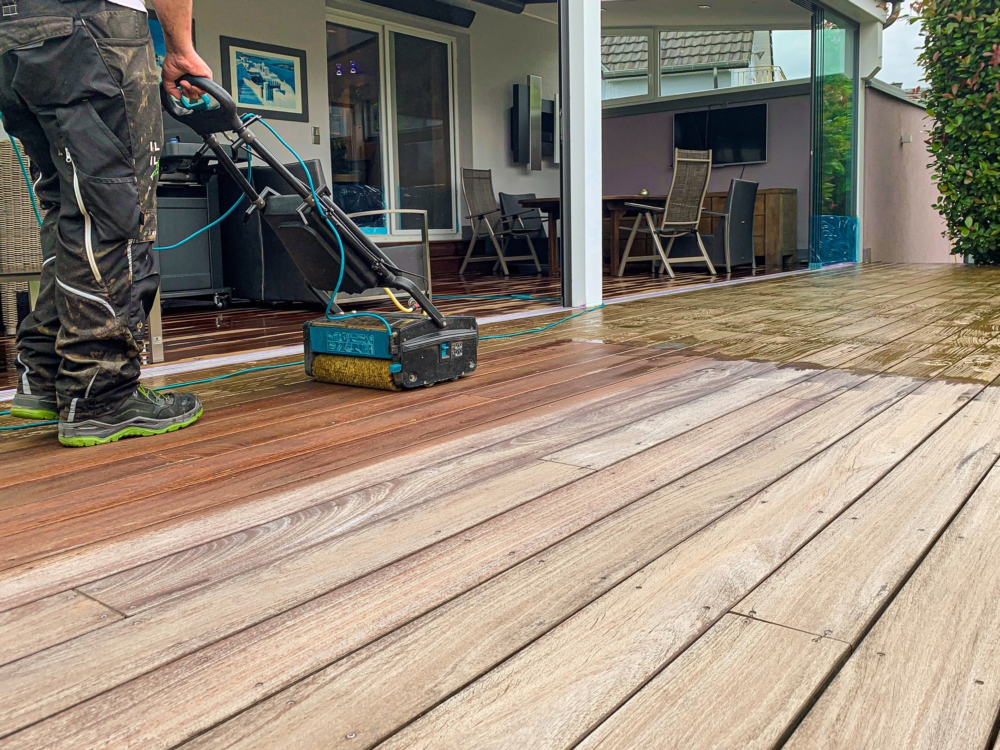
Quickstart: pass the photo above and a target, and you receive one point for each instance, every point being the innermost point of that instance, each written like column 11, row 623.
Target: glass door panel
column 355, row 84
column 834, row 223
column 422, row 109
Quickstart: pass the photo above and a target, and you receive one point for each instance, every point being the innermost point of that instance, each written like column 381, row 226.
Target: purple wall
column 900, row 224
column 638, row 153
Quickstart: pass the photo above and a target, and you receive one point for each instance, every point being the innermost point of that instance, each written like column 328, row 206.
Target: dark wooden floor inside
column 757, row 516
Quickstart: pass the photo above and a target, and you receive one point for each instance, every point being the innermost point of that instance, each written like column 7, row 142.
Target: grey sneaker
column 143, row 414
column 42, row 408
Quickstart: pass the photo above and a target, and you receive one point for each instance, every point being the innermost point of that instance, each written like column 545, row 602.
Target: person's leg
column 94, row 93
column 37, row 362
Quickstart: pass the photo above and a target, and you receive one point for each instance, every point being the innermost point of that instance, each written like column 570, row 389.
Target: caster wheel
column 221, row 301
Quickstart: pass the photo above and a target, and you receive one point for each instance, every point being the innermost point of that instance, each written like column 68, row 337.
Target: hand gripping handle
column 216, row 115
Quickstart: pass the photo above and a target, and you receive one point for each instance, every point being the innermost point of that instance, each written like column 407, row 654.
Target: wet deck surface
column 755, row 516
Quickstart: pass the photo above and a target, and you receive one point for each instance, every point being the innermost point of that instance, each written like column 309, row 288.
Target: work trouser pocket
column 104, row 180
column 126, row 47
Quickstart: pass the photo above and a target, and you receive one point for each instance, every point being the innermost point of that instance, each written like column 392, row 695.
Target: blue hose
column 261, row 368
column 217, row 221
column 340, row 242
column 27, row 180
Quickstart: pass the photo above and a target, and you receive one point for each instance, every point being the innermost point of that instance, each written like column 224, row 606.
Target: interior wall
column 300, row 24
column 899, row 224
column 499, row 50
column 638, row 154
column 506, row 48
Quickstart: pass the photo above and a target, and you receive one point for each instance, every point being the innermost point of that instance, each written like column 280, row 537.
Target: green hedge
column 961, row 57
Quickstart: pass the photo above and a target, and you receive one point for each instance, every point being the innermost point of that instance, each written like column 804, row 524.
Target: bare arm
column 181, row 59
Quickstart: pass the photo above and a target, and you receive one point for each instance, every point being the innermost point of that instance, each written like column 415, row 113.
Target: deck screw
column 290, row 703
column 351, row 735
column 979, row 682
column 259, row 685
column 881, row 653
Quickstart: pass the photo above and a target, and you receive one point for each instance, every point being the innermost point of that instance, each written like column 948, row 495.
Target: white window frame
column 653, row 39
column 654, row 80
column 387, row 145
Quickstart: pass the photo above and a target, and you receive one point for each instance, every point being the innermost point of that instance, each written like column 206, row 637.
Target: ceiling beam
column 513, row 6
column 434, row 10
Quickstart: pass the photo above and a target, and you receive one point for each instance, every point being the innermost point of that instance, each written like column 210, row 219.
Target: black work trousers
column 79, row 89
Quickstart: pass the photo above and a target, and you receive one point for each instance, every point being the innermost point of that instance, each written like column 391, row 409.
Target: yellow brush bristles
column 358, row 371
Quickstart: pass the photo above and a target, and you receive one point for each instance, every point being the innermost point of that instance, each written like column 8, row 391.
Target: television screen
column 735, row 135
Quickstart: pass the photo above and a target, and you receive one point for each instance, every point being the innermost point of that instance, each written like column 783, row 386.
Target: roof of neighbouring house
column 679, row 49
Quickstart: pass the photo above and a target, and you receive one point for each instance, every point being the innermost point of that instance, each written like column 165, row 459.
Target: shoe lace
column 151, row 396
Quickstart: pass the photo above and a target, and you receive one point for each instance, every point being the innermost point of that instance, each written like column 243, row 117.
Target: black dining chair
column 732, row 243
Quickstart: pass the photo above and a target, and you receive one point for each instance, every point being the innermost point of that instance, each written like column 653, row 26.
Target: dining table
column 614, row 207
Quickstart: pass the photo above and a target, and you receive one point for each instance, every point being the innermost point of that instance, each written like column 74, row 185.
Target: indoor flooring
column 754, row 516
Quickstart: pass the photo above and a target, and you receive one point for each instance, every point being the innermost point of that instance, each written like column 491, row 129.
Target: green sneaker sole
column 126, row 432
column 42, row 415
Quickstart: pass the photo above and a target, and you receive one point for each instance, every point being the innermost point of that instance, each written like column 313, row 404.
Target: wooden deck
column 194, row 332
column 756, row 516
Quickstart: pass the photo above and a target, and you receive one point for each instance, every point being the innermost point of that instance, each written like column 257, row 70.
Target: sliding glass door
column 834, row 222
column 422, row 108
column 354, row 76
column 391, row 125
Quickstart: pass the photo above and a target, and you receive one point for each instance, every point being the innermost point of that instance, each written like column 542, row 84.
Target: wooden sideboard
column 775, row 223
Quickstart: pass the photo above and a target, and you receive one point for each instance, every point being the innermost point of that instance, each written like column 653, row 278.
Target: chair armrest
column 714, row 213
column 651, row 209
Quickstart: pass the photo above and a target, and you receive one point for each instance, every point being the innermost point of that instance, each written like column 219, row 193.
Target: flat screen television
column 735, row 135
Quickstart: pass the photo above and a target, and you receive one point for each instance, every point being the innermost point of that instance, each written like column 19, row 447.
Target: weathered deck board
column 415, row 667
column 718, row 694
column 526, row 530
column 596, row 659
column 181, row 531
column 140, row 588
column 842, row 580
column 932, row 662
column 47, row 622
column 324, row 562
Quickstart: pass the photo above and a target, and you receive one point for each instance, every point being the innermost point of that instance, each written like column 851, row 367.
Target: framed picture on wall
column 266, row 79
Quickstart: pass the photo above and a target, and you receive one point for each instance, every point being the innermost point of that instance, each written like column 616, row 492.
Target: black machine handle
column 207, row 120
column 204, row 120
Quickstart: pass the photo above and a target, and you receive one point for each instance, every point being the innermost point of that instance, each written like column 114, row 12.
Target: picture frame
column 266, row 79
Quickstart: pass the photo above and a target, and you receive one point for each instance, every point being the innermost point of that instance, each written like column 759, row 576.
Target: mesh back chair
column 20, row 246
column 679, row 217
column 489, row 222
column 527, row 223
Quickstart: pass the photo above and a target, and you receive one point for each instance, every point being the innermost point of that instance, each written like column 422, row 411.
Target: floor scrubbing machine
column 389, row 351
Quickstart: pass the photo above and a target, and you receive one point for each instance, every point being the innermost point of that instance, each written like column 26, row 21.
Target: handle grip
column 220, row 115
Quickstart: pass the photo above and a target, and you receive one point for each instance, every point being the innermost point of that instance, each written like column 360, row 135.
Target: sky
column 899, row 53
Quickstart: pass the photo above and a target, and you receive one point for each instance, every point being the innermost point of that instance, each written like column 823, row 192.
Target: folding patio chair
column 680, row 216
column 526, row 223
column 489, row 222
